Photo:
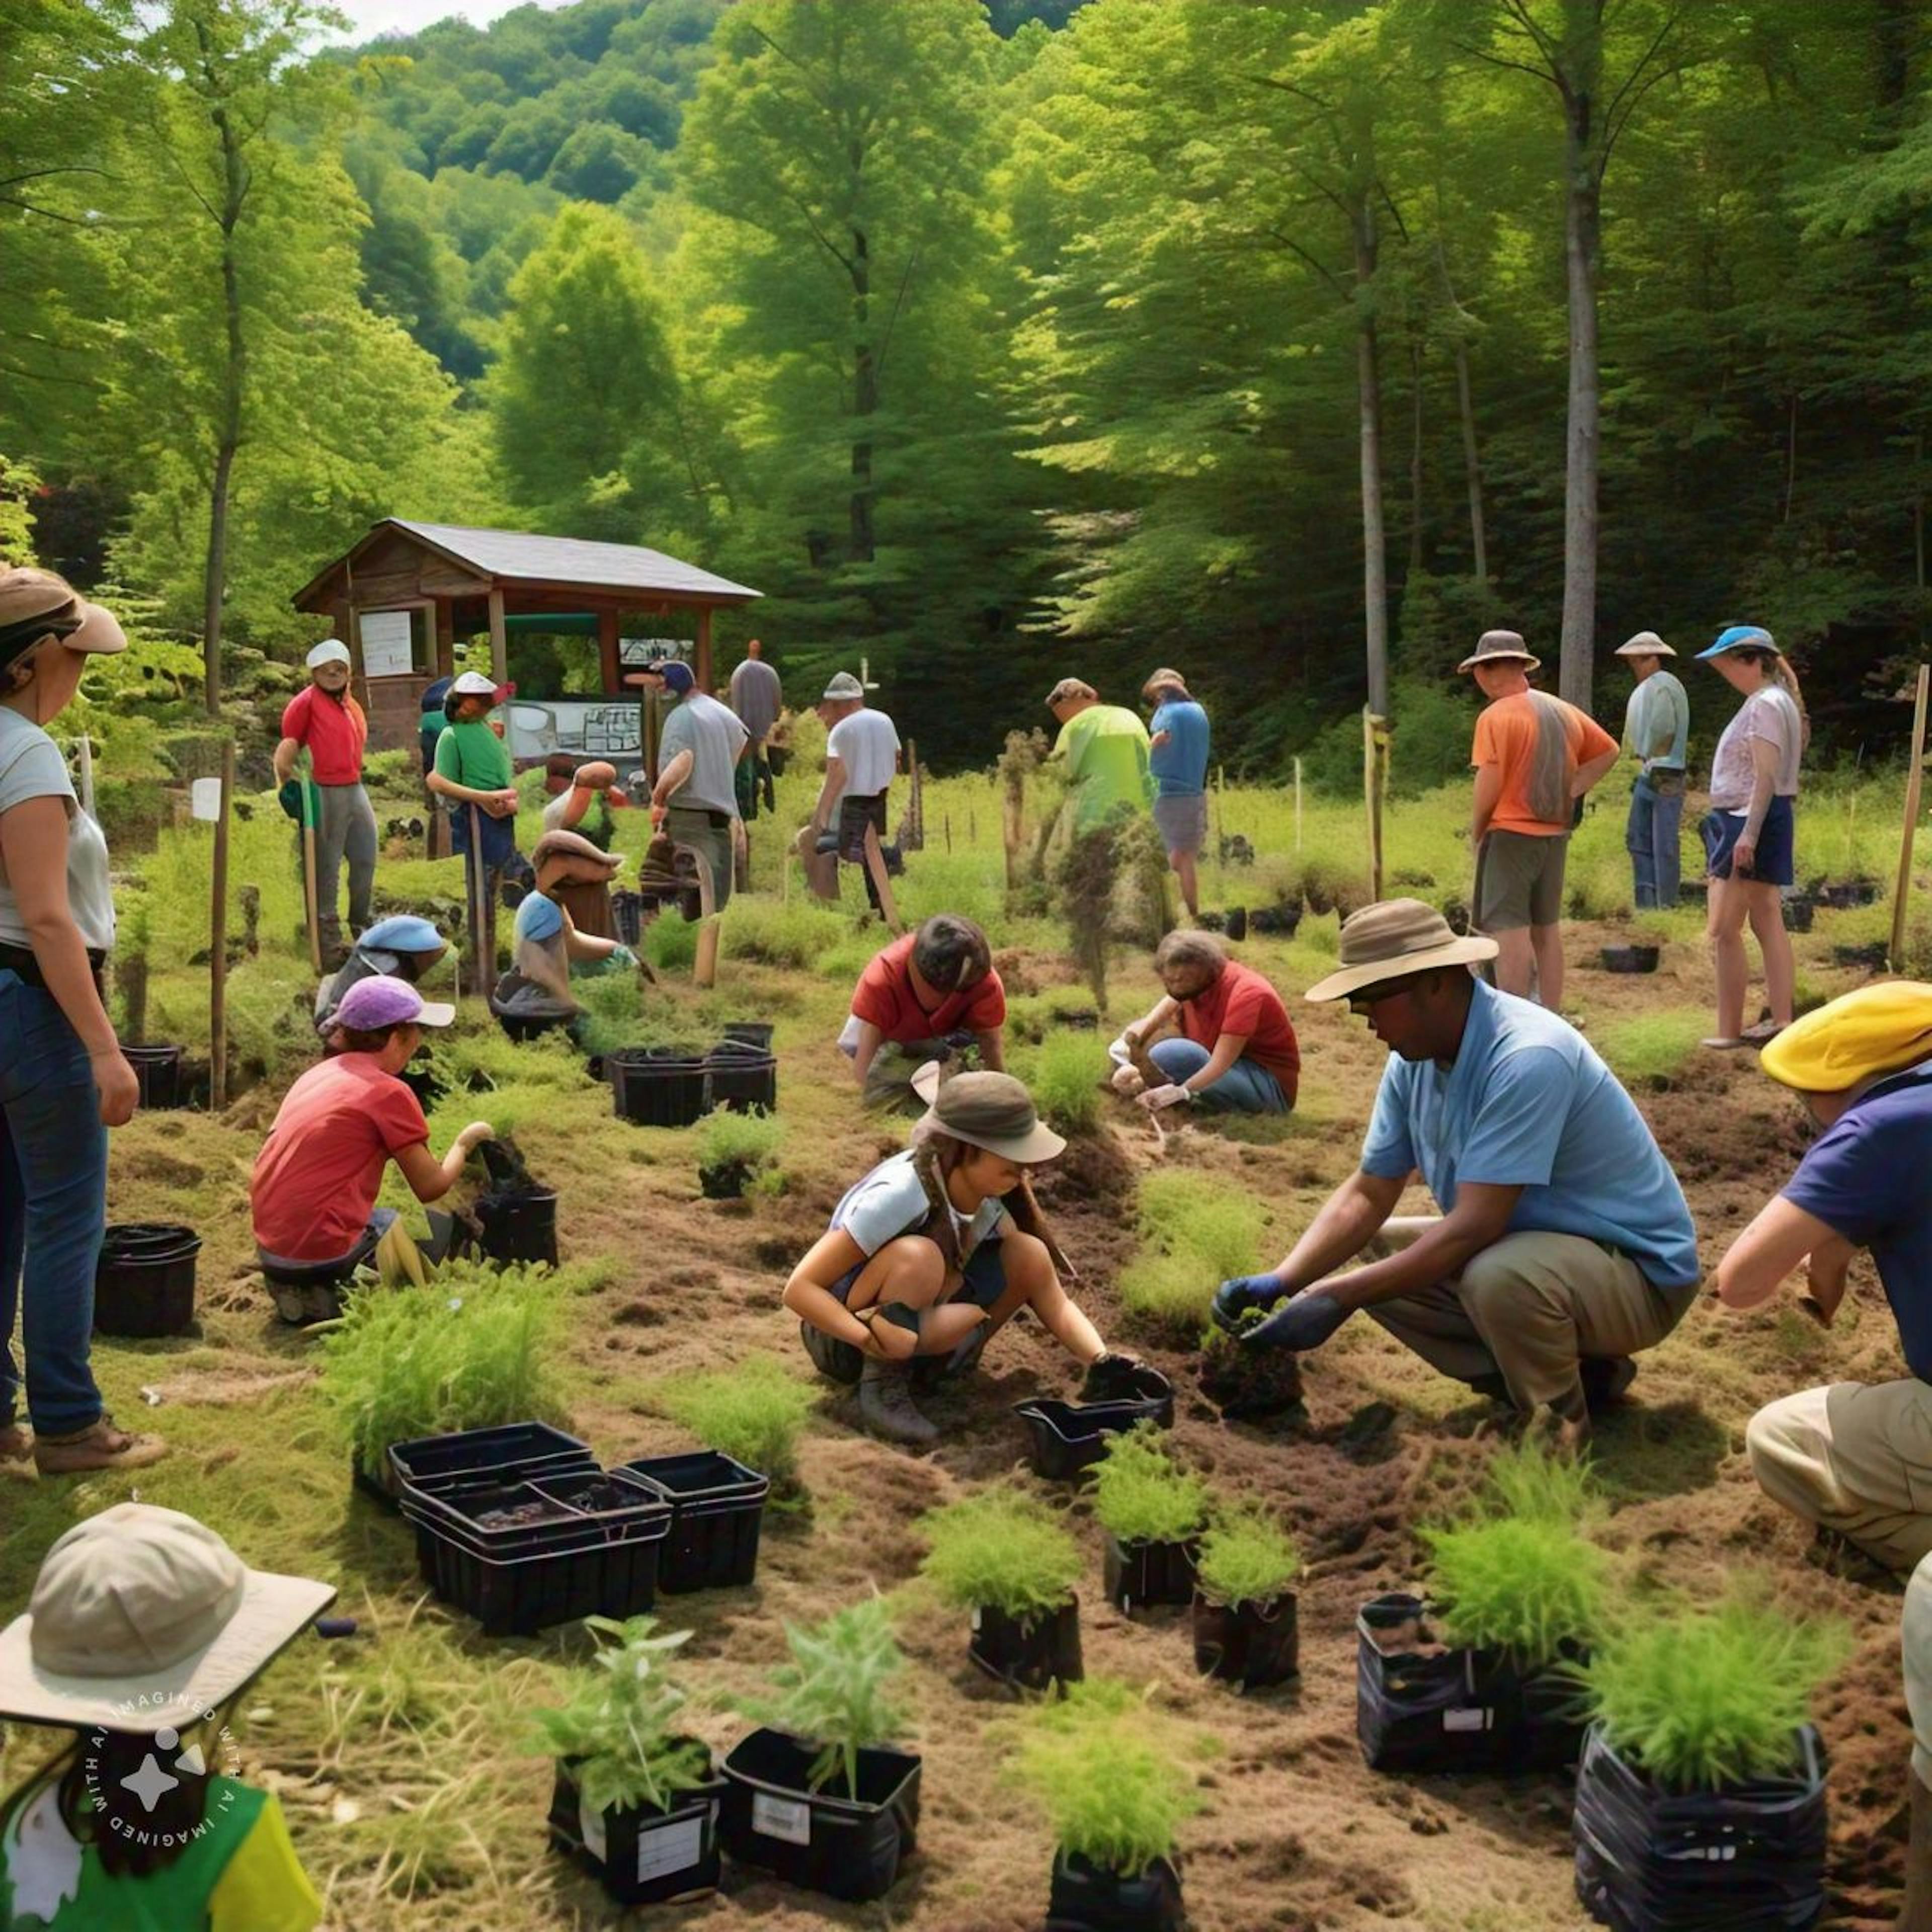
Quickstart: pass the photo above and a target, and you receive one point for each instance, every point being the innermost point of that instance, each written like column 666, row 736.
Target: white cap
column 331, row 650
column 473, row 684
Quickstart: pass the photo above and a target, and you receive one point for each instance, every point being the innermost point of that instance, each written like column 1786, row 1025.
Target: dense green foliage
column 1142, row 1495
column 836, row 1691
column 1195, row 1232
column 1002, row 1550
column 1247, row 1557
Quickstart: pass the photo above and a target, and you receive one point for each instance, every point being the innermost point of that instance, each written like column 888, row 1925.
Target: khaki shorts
column 708, row 834
column 1520, row 880
column 1182, row 822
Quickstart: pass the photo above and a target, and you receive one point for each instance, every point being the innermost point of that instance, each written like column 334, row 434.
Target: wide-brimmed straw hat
column 993, row 1110
column 1070, row 690
column 1645, row 644
column 1876, row 1029
column 1164, row 679
column 1501, row 647
column 142, row 1619
column 1392, row 939
column 574, row 847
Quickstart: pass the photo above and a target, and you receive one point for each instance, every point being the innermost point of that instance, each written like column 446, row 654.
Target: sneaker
column 99, row 1446
column 16, row 1451
column 1606, row 1380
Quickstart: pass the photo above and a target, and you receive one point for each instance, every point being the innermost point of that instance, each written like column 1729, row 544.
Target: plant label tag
column 670, row 1848
column 1468, row 1720
column 204, row 800
column 590, row 1829
column 976, row 1620
column 780, row 1818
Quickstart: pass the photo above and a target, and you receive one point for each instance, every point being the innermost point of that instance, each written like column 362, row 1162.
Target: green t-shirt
column 472, row 754
column 1105, row 748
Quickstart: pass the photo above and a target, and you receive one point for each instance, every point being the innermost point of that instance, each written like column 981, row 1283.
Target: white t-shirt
column 867, row 744
column 889, row 1202
column 1770, row 714
column 32, row 766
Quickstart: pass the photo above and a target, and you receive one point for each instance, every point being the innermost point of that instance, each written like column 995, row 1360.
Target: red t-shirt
column 334, row 733
column 1242, row 1002
column 319, row 1170
column 885, row 999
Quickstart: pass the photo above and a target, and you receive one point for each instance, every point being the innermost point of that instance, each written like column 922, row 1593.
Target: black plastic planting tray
column 717, row 1509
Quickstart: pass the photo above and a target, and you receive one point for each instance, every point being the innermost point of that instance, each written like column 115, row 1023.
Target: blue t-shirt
column 1180, row 767
column 1527, row 1103
column 1868, row 1178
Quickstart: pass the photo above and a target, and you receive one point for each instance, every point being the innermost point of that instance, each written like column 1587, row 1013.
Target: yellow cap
column 1877, row 1030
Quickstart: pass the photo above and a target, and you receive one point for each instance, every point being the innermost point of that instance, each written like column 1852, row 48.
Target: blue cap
column 538, row 917
column 678, row 676
column 1738, row 637
column 404, row 933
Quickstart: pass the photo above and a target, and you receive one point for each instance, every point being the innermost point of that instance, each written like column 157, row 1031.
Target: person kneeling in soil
column 546, row 943
column 313, row 1193
column 1565, row 1246
column 143, row 1629
column 914, row 998
column 936, row 1249
column 1236, row 1051
column 404, row 947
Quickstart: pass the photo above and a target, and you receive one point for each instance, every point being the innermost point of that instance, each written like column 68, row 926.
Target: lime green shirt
column 472, row 754
column 1106, row 748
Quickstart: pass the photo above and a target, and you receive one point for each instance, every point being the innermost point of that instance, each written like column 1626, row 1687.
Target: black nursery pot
column 846, row 1845
column 1028, row 1653
column 656, row 1087
column 1629, row 959
column 642, row 1855
column 750, row 1033
column 1063, row 1437
column 742, row 1076
column 717, row 1510
column 1457, row 1710
column 726, row 1180
column 1798, row 914
column 1084, row 1897
column 1748, row 1858
column 144, row 1279
column 1250, row 1644
column 1141, row 1576
column 158, row 1070
column 519, row 1225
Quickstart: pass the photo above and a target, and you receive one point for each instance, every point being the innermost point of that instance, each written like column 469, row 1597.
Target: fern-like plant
column 751, row 1412
column 616, row 1728
column 1142, row 1495
column 1704, row 1697
column 1247, row 1557
column 1001, row 1550
column 835, row 1692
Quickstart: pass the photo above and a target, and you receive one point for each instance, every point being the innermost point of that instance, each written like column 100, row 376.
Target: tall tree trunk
column 1414, row 455
column 1582, row 255
column 865, row 403
column 1472, row 464
column 228, row 429
column 1368, row 383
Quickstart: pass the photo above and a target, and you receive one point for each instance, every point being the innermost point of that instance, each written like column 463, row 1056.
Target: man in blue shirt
column 1177, row 756
column 1565, row 1245
column 1657, row 726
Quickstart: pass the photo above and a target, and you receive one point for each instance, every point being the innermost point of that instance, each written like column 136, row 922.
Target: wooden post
column 875, row 865
column 500, row 641
column 701, row 669
column 606, row 650
column 1297, row 804
column 84, row 750
column 1915, row 776
column 915, row 806
column 1220, row 786
column 945, row 820
column 1374, row 739
column 217, row 941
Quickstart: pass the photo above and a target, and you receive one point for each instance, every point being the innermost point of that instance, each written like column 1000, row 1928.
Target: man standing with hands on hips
column 325, row 717
column 695, row 798
column 1657, row 728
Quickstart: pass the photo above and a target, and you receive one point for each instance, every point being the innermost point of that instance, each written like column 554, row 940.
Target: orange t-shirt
column 1509, row 734
column 1242, row 1002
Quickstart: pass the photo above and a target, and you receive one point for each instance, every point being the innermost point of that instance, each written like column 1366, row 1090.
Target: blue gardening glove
column 622, row 955
column 1302, row 1323
column 1232, row 1299
column 290, row 799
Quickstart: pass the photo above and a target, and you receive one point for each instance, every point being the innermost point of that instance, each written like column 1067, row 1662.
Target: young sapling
column 1001, row 1550
column 1246, row 1557
column 834, row 1692
column 1142, row 1496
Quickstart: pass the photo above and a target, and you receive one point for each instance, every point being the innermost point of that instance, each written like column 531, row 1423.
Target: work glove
column 1171, row 1095
column 1119, row 1052
column 622, row 955
column 290, row 798
column 1303, row 1322
column 1117, row 1376
column 1233, row 1299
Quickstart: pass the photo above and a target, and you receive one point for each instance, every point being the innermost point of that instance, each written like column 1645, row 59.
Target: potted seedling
column 1152, row 1510
column 820, row 1796
column 1245, row 1629
column 1115, row 1792
column 634, row 1799
column 1480, row 1677
column 1251, row 1385
column 1700, row 1798
column 1004, row 1559
column 734, row 1151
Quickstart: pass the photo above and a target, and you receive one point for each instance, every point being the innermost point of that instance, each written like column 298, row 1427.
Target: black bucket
column 144, row 1281
column 750, row 1033
column 519, row 1225
column 627, row 915
column 522, row 1027
column 1630, row 959
column 1142, row 1575
column 1097, row 1900
column 656, row 1086
column 158, row 1070
column 1250, row 1645
column 742, row 1076
column 1029, row 1653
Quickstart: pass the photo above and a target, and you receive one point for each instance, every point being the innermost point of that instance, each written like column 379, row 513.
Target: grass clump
column 1141, row 1495
column 616, row 1729
column 1247, row 1557
column 1195, row 1232
column 1652, row 1047
column 792, row 933
column 1064, row 1074
column 1705, row 1697
column 751, row 1412
column 1115, row 1788
column 1001, row 1550
column 670, row 943
column 834, row 1692
column 748, row 1141
column 471, row 1350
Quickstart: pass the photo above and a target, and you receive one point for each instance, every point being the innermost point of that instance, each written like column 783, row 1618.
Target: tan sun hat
column 141, row 1620
column 36, row 604
column 1499, row 647
column 1070, row 690
column 1393, row 938
column 992, row 1111
column 1645, row 644
column 1164, row 680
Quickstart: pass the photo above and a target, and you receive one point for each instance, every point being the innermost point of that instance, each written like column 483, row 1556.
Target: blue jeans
column 1651, row 835
column 1245, row 1088
column 53, row 1209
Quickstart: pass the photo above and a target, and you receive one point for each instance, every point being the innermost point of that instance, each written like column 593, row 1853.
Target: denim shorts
column 982, row 1281
column 1774, row 863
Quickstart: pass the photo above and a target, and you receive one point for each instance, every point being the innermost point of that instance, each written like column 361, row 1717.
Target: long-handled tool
column 311, row 818
column 476, row 895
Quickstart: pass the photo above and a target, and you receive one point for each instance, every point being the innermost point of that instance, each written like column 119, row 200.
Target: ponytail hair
column 1788, row 677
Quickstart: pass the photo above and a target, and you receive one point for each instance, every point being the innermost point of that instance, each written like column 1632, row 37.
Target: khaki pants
column 1855, row 1458
column 1915, row 1635
column 1528, row 1309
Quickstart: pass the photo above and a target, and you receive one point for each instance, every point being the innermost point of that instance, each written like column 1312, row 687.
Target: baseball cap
column 1874, row 1030
column 1741, row 638
column 844, row 685
column 539, row 916
column 382, row 1001
column 36, row 604
column 331, row 650
column 403, row 932
column 678, row 676
column 1069, row 691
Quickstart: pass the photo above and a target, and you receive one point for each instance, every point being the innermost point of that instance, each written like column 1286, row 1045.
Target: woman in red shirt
column 1236, row 1051
column 915, row 998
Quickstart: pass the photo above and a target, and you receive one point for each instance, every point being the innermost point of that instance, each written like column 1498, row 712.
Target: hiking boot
column 99, row 1446
column 1606, row 1381
column 885, row 1405
column 830, row 1356
column 16, row 1451
column 929, row 1372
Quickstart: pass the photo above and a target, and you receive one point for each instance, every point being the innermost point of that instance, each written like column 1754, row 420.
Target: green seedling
column 748, row 1140
column 1195, row 1232
column 834, row 1692
column 1064, row 1075
column 1002, row 1550
column 1142, row 1496
column 1247, row 1557
column 752, row 1412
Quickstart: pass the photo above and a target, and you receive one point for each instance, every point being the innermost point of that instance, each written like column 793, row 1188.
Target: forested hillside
column 996, row 344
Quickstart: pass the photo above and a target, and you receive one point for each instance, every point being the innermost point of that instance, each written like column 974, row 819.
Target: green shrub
column 484, row 1059
column 1142, row 1495
column 1650, row 1048
column 615, row 1013
column 1195, row 1232
column 1002, row 1550
column 726, row 1139
column 791, row 933
column 1064, row 1075
column 751, row 1412
column 469, row 1351
column 1115, row 1788
column 670, row 943
column 1247, row 1557
column 617, row 1726
column 1703, row 1696
column 834, row 1692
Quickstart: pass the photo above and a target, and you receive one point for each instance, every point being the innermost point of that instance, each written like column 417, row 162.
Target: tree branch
column 811, row 86
column 1328, row 274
